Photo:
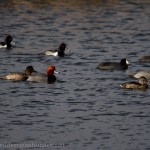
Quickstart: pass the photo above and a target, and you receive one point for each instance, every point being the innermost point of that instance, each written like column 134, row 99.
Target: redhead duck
column 142, row 84
column 49, row 77
column 7, row 43
column 57, row 52
column 122, row 65
column 145, row 59
column 20, row 76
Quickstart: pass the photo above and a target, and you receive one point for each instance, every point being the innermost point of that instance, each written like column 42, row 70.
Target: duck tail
column 2, row 77
column 120, row 85
column 41, row 53
column 131, row 76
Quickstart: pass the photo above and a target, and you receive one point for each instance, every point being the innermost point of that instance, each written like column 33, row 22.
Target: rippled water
column 85, row 108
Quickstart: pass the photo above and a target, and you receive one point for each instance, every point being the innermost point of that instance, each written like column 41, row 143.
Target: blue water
column 85, row 109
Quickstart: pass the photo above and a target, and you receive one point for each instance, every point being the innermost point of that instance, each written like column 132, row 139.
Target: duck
column 19, row 76
column 57, row 52
column 145, row 59
column 49, row 77
column 139, row 74
column 7, row 43
column 122, row 65
column 142, row 84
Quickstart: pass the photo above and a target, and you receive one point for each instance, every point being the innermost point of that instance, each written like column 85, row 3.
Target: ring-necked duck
column 7, row 43
column 57, row 52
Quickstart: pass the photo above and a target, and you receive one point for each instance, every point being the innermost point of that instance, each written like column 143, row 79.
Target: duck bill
column 34, row 71
column 127, row 62
column 67, row 49
column 13, row 43
column 56, row 72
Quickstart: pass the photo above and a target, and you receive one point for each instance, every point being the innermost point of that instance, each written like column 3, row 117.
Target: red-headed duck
column 46, row 78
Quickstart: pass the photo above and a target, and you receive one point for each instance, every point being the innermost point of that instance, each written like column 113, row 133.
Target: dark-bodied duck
column 122, row 65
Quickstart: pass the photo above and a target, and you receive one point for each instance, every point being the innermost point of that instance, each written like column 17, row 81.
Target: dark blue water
column 85, row 109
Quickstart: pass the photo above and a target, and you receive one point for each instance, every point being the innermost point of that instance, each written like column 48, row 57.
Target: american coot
column 145, row 59
column 142, row 84
column 19, row 75
column 57, row 52
column 46, row 78
column 123, row 65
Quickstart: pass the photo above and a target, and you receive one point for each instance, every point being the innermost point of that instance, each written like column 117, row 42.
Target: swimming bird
column 7, row 43
column 122, row 65
column 145, row 59
column 139, row 74
column 142, row 84
column 57, row 52
column 19, row 76
column 49, row 77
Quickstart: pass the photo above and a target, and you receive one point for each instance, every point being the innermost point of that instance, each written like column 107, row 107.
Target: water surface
column 85, row 108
